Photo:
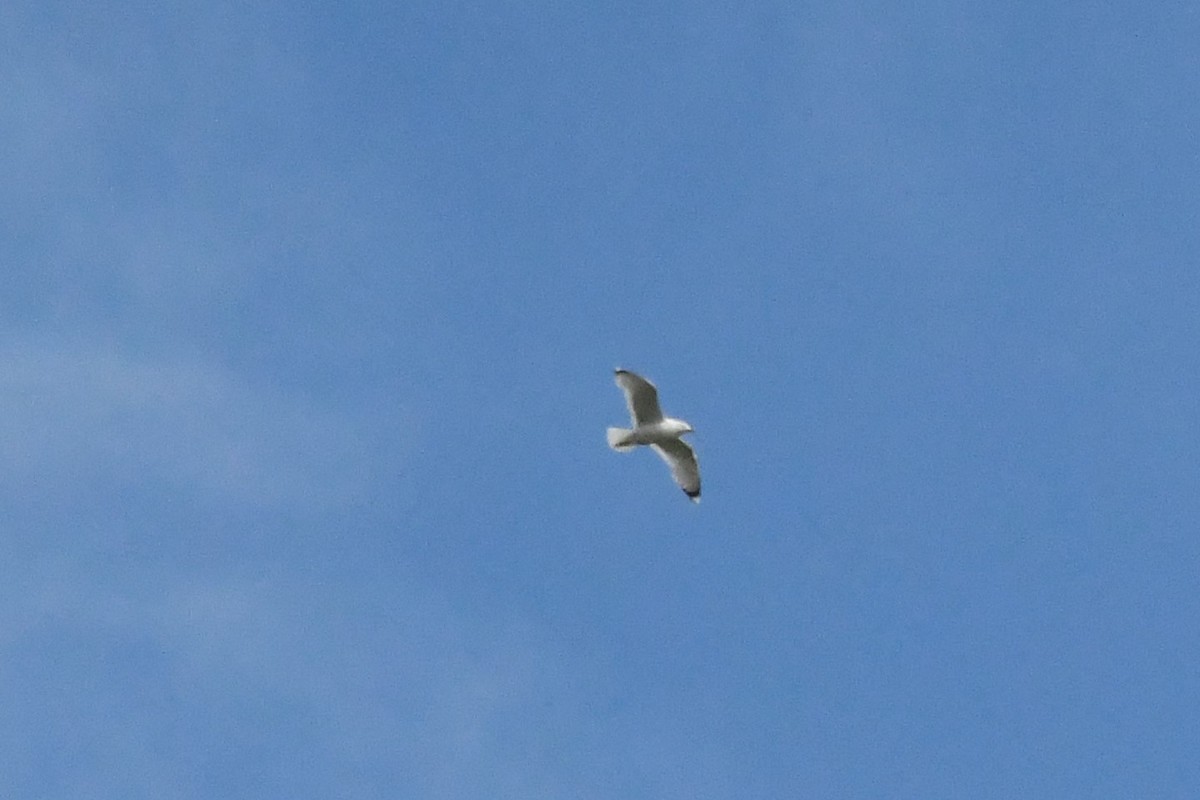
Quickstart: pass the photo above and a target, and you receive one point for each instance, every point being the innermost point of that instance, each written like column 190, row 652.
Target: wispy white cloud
column 79, row 415
column 188, row 672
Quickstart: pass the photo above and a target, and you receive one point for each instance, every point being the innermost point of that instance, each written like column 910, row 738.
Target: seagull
column 663, row 434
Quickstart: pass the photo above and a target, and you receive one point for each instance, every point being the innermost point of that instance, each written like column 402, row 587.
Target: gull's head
column 678, row 427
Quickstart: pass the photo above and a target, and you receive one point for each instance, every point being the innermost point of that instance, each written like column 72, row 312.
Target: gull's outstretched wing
column 682, row 460
column 640, row 396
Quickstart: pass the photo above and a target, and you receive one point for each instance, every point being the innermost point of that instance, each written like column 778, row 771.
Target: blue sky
column 308, row 331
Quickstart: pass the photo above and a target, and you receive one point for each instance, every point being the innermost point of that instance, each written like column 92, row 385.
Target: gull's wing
column 682, row 460
column 640, row 396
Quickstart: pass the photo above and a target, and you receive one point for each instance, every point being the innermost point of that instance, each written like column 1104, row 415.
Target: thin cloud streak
column 435, row 702
column 84, row 414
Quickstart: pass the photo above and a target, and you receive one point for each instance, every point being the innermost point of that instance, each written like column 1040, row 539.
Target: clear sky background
column 309, row 317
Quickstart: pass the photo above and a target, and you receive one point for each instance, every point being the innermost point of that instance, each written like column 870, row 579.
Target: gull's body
column 651, row 428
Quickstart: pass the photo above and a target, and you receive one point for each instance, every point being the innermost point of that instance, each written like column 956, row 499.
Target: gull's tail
column 617, row 439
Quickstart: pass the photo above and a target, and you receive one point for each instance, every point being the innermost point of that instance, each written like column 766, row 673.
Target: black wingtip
column 695, row 496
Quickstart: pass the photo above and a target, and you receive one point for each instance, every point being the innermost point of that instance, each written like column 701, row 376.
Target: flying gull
column 661, row 433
